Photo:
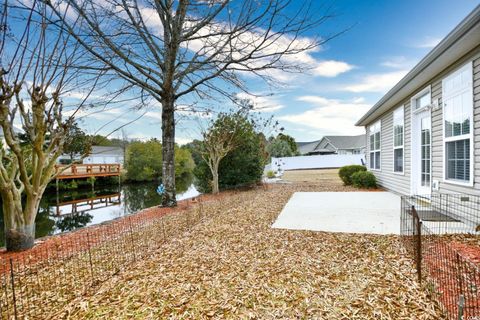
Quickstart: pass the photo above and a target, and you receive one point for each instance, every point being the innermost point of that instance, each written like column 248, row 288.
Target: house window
column 458, row 160
column 375, row 146
column 457, row 115
column 422, row 100
column 398, row 137
column 425, row 152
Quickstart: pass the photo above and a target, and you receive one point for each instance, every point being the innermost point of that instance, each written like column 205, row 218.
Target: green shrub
column 73, row 185
column 91, row 181
column 144, row 161
column 270, row 174
column 346, row 172
column 279, row 148
column 364, row 179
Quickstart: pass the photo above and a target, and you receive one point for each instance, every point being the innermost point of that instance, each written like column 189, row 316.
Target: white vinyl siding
column 399, row 183
column 387, row 178
column 398, row 140
column 374, row 146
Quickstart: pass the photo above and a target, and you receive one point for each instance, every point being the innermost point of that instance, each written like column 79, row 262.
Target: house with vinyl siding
column 333, row 145
column 423, row 136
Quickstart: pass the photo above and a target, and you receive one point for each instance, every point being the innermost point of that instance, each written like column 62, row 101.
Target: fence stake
column 418, row 243
column 459, row 271
column 131, row 236
column 461, row 305
column 13, row 289
column 90, row 257
column 163, row 230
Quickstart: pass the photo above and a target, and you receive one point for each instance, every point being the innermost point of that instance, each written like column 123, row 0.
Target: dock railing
column 87, row 170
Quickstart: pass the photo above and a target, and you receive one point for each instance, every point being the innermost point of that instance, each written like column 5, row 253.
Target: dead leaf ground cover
column 233, row 265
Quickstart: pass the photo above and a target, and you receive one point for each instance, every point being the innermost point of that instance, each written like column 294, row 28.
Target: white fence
column 316, row 162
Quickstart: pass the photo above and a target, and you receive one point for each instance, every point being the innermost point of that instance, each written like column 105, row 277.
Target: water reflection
column 70, row 210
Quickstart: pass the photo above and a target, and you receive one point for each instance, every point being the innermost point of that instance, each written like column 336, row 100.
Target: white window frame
column 413, row 100
column 402, row 109
column 470, row 135
column 378, row 125
column 414, row 138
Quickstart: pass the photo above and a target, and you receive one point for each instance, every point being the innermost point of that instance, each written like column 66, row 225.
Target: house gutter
column 422, row 68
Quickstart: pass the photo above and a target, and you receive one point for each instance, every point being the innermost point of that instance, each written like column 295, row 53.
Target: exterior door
column 422, row 153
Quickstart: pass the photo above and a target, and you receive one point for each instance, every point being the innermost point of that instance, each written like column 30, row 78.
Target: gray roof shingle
column 347, row 142
column 339, row 142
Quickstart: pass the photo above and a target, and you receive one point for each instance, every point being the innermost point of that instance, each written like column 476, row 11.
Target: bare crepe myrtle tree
column 220, row 138
column 227, row 131
column 36, row 69
column 178, row 50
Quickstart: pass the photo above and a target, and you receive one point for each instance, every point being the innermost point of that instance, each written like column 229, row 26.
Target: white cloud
column 182, row 141
column 427, row 42
column 107, row 114
column 314, row 100
column 330, row 116
column 380, row 82
column 261, row 103
column 398, row 62
column 331, row 68
column 193, row 111
column 155, row 115
column 358, row 100
column 211, row 37
column 139, row 136
column 146, row 137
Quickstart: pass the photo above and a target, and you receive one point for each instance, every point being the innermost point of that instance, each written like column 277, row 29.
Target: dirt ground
column 233, row 265
column 325, row 176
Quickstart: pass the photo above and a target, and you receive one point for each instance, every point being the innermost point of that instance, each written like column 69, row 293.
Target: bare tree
column 173, row 49
column 37, row 68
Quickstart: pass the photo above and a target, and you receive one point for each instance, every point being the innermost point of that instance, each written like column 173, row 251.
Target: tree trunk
column 20, row 238
column 168, row 152
column 19, row 235
column 215, row 186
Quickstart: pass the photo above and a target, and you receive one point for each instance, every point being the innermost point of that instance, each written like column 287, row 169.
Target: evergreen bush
column 364, row 180
column 346, row 173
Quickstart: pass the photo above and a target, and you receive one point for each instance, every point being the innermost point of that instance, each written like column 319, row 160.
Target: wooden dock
column 88, row 204
column 75, row 171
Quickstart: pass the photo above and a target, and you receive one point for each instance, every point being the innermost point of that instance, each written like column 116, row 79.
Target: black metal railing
column 440, row 234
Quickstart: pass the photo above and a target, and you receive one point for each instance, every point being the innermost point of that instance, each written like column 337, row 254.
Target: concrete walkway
column 351, row 212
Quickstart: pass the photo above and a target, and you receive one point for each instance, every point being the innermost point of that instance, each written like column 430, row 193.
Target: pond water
column 70, row 210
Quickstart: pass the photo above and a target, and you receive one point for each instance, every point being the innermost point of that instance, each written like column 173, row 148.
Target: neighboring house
column 424, row 134
column 305, row 148
column 334, row 145
column 98, row 155
column 101, row 155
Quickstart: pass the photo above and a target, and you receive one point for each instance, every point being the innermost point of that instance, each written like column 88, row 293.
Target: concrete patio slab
column 351, row 212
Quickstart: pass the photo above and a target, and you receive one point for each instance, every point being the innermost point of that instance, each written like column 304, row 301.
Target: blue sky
column 351, row 72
